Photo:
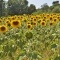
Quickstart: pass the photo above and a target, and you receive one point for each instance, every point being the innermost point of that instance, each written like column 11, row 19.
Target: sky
column 38, row 3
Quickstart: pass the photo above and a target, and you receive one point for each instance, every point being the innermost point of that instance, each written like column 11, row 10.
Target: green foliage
column 38, row 11
column 16, row 7
column 1, row 3
column 29, row 35
column 38, row 43
column 3, row 9
column 57, row 58
column 56, row 9
column 53, row 46
column 31, row 9
column 44, row 7
column 55, row 3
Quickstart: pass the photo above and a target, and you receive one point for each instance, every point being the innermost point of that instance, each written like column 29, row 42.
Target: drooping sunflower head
column 15, row 23
column 29, row 35
column 3, row 29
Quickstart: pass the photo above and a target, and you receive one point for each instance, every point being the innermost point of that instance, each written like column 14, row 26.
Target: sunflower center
column 29, row 26
column 54, row 19
column 34, row 23
column 3, row 28
column 50, row 18
column 15, row 22
column 43, row 23
column 51, row 23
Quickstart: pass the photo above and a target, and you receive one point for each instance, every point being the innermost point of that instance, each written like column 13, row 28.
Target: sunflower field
column 30, row 37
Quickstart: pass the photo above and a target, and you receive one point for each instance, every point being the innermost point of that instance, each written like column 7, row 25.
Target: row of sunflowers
column 30, row 37
column 30, row 21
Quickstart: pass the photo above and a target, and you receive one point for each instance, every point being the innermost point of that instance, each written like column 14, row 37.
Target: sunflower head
column 15, row 23
column 0, row 21
column 34, row 23
column 43, row 23
column 3, row 29
column 51, row 23
column 29, row 26
column 51, row 18
column 55, row 19
column 28, row 35
column 39, row 20
column 8, row 23
column 34, row 19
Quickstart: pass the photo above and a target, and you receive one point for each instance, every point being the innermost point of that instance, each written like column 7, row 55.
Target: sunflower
column 3, row 29
column 43, row 23
column 55, row 19
column 8, row 23
column 34, row 23
column 15, row 23
column 44, row 17
column 48, row 15
column 51, row 23
column 39, row 20
column 34, row 19
column 58, row 17
column 29, row 26
column 51, row 18
column 0, row 21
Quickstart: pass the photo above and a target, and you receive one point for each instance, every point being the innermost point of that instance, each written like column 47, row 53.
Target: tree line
column 45, row 8
column 16, row 7
column 19, row 7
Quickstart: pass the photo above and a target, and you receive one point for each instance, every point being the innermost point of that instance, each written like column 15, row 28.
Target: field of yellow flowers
column 30, row 37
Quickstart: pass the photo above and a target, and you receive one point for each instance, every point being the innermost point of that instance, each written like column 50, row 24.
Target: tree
column 55, row 3
column 1, row 3
column 45, row 7
column 31, row 9
column 51, row 8
column 55, row 6
column 56, row 9
column 16, row 7
column 2, row 7
column 38, row 11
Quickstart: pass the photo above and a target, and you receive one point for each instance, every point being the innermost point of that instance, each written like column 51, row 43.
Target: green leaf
column 53, row 46
column 57, row 58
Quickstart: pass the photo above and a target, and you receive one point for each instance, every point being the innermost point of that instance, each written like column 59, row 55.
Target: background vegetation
column 18, row 7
